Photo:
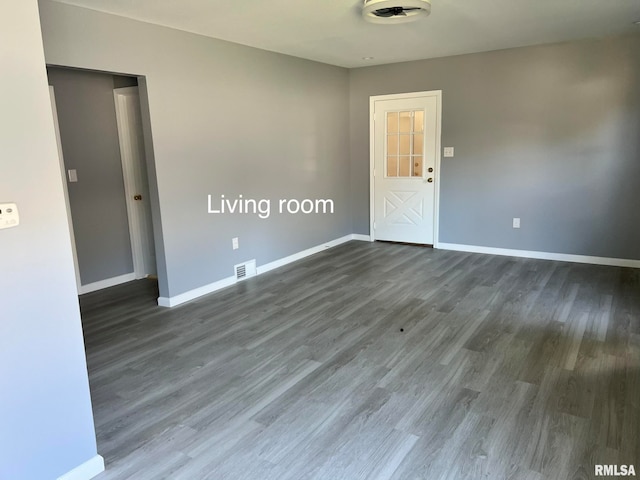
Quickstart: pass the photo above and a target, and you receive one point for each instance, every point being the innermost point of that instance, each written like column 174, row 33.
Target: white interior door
column 406, row 146
column 136, row 184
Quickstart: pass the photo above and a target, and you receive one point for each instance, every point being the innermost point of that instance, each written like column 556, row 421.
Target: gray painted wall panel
column 161, row 263
column 550, row 134
column 226, row 119
column 90, row 144
column 47, row 423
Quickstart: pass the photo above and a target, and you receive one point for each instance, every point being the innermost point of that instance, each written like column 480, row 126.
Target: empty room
column 374, row 239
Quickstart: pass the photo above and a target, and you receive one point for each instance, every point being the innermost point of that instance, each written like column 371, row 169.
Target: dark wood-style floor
column 372, row 361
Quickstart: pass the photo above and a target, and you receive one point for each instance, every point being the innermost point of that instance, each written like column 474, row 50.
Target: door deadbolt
column 137, row 197
column 430, row 169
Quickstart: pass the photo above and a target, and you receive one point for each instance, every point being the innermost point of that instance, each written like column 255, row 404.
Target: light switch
column 9, row 215
column 234, row 243
column 73, row 175
column 516, row 223
column 448, row 151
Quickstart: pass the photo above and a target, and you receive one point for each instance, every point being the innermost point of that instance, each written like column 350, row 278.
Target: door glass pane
column 418, row 142
column 405, row 144
column 418, row 121
column 417, row 166
column 392, row 144
column 392, row 122
column 405, row 166
column 405, row 122
column 392, row 166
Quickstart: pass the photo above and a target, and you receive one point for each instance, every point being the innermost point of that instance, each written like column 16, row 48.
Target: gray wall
column 120, row 81
column 89, row 134
column 550, row 134
column 47, row 424
column 226, row 119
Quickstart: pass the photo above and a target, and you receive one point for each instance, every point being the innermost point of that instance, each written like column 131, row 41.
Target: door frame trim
column 128, row 175
column 436, row 201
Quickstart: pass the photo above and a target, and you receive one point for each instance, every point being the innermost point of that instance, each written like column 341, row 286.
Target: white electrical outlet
column 73, row 175
column 516, row 223
column 234, row 243
column 448, row 151
column 9, row 215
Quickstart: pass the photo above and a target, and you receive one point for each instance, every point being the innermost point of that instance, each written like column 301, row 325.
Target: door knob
column 137, row 197
column 430, row 180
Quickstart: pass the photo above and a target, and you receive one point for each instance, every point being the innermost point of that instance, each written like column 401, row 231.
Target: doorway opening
column 105, row 155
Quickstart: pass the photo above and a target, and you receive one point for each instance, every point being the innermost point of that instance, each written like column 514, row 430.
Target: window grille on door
column 405, row 143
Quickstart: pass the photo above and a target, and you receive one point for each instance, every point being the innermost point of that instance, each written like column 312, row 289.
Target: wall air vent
column 395, row 11
column 245, row 270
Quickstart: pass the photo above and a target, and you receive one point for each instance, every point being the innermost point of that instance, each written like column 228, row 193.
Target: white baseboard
column 196, row 292
column 228, row 281
column 86, row 471
column 561, row 257
column 362, row 238
column 109, row 282
column 300, row 255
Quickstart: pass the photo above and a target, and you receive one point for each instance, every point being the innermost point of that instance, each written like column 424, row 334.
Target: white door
column 406, row 160
column 136, row 183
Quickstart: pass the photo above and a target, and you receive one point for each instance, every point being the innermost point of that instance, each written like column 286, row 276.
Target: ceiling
column 333, row 31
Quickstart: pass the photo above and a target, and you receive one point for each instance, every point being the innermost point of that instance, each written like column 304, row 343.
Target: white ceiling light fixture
column 395, row 11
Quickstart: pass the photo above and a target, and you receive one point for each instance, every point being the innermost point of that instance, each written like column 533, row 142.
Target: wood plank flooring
column 505, row 368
